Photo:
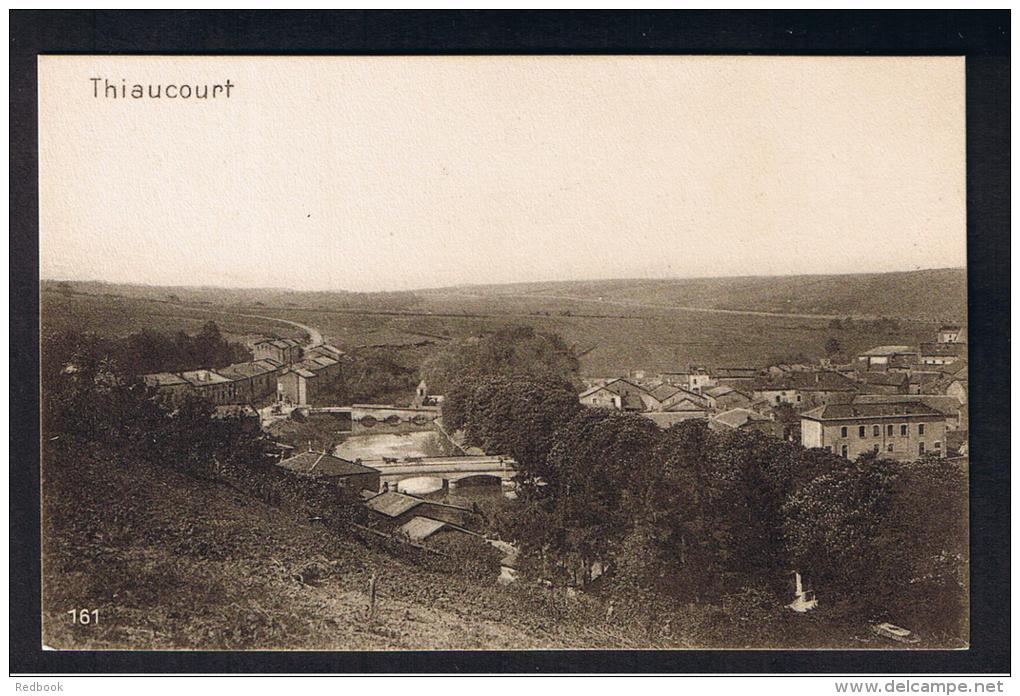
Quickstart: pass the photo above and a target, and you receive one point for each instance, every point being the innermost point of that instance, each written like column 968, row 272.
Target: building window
column 889, row 430
column 843, row 451
column 860, row 431
column 842, row 431
column 937, row 446
column 888, row 448
column 876, row 430
column 903, row 430
column 876, row 448
column 920, row 428
column 920, row 448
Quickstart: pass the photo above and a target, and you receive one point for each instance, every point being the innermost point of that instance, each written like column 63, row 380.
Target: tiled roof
column 322, row 464
column 948, row 405
column 665, row 391
column 823, row 380
column 735, row 373
column 686, row 404
column 420, row 528
column 944, row 349
column 863, row 410
column 894, row 379
column 722, row 390
column 393, row 504
column 163, row 379
column 738, row 417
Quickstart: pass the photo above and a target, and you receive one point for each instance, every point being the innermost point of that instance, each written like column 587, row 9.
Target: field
column 118, row 316
column 613, row 336
column 929, row 295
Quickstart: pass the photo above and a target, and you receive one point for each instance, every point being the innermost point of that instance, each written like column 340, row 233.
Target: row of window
column 844, row 450
column 876, row 430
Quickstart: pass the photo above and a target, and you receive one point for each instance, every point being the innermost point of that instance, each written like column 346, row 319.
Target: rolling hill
column 928, row 295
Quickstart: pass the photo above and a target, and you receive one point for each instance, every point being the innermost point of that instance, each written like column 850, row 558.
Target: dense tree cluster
column 145, row 351
column 689, row 514
column 91, row 399
column 512, row 350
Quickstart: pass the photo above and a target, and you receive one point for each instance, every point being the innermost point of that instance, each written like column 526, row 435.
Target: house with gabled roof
column 282, row 350
column 304, row 381
column 354, row 476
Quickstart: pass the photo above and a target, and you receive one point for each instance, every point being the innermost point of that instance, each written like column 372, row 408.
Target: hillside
column 173, row 562
column 928, row 295
column 618, row 325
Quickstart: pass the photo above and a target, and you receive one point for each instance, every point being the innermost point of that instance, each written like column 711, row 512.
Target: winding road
column 314, row 335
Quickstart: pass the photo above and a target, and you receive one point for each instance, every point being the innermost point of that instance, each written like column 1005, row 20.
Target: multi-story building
column 253, row 381
column 942, row 353
column 304, row 381
column 283, row 350
column 210, row 385
column 694, row 379
column 902, row 431
column 802, row 389
column 951, row 334
column 169, row 387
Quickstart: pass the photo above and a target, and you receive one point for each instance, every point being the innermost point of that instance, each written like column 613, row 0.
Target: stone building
column 302, row 383
column 902, row 431
column 283, row 350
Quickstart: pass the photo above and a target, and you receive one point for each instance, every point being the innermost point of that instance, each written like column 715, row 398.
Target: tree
column 512, row 350
column 832, row 347
column 832, row 530
column 517, row 415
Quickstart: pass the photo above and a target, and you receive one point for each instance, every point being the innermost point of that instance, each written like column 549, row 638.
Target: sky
column 395, row 173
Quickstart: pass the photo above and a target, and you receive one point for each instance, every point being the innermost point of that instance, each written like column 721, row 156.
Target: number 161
column 84, row 616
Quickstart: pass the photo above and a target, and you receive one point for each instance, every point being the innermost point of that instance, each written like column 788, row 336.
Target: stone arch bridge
column 452, row 470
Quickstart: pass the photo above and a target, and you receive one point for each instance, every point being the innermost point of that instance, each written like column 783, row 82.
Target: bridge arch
column 475, row 479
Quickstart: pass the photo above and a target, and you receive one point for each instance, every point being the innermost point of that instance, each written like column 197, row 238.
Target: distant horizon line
column 483, row 285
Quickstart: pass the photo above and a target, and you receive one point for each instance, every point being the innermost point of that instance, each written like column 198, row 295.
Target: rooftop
column 944, row 349
column 870, row 410
column 420, row 528
column 163, row 379
column 735, row 372
column 892, row 379
column 819, row 380
column 393, row 504
column 948, row 405
column 738, row 417
column 202, row 377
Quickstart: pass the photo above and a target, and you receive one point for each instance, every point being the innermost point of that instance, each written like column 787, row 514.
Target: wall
column 811, row 433
column 903, row 447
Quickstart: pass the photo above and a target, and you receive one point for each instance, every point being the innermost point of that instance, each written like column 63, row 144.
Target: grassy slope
column 171, row 562
column 929, row 295
column 630, row 329
column 118, row 316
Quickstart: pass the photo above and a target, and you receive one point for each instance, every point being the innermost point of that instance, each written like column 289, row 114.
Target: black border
column 981, row 36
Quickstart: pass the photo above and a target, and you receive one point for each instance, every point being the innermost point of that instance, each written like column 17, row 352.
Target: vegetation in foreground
column 179, row 530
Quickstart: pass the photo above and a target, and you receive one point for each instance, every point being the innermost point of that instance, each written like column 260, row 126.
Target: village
column 899, row 402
